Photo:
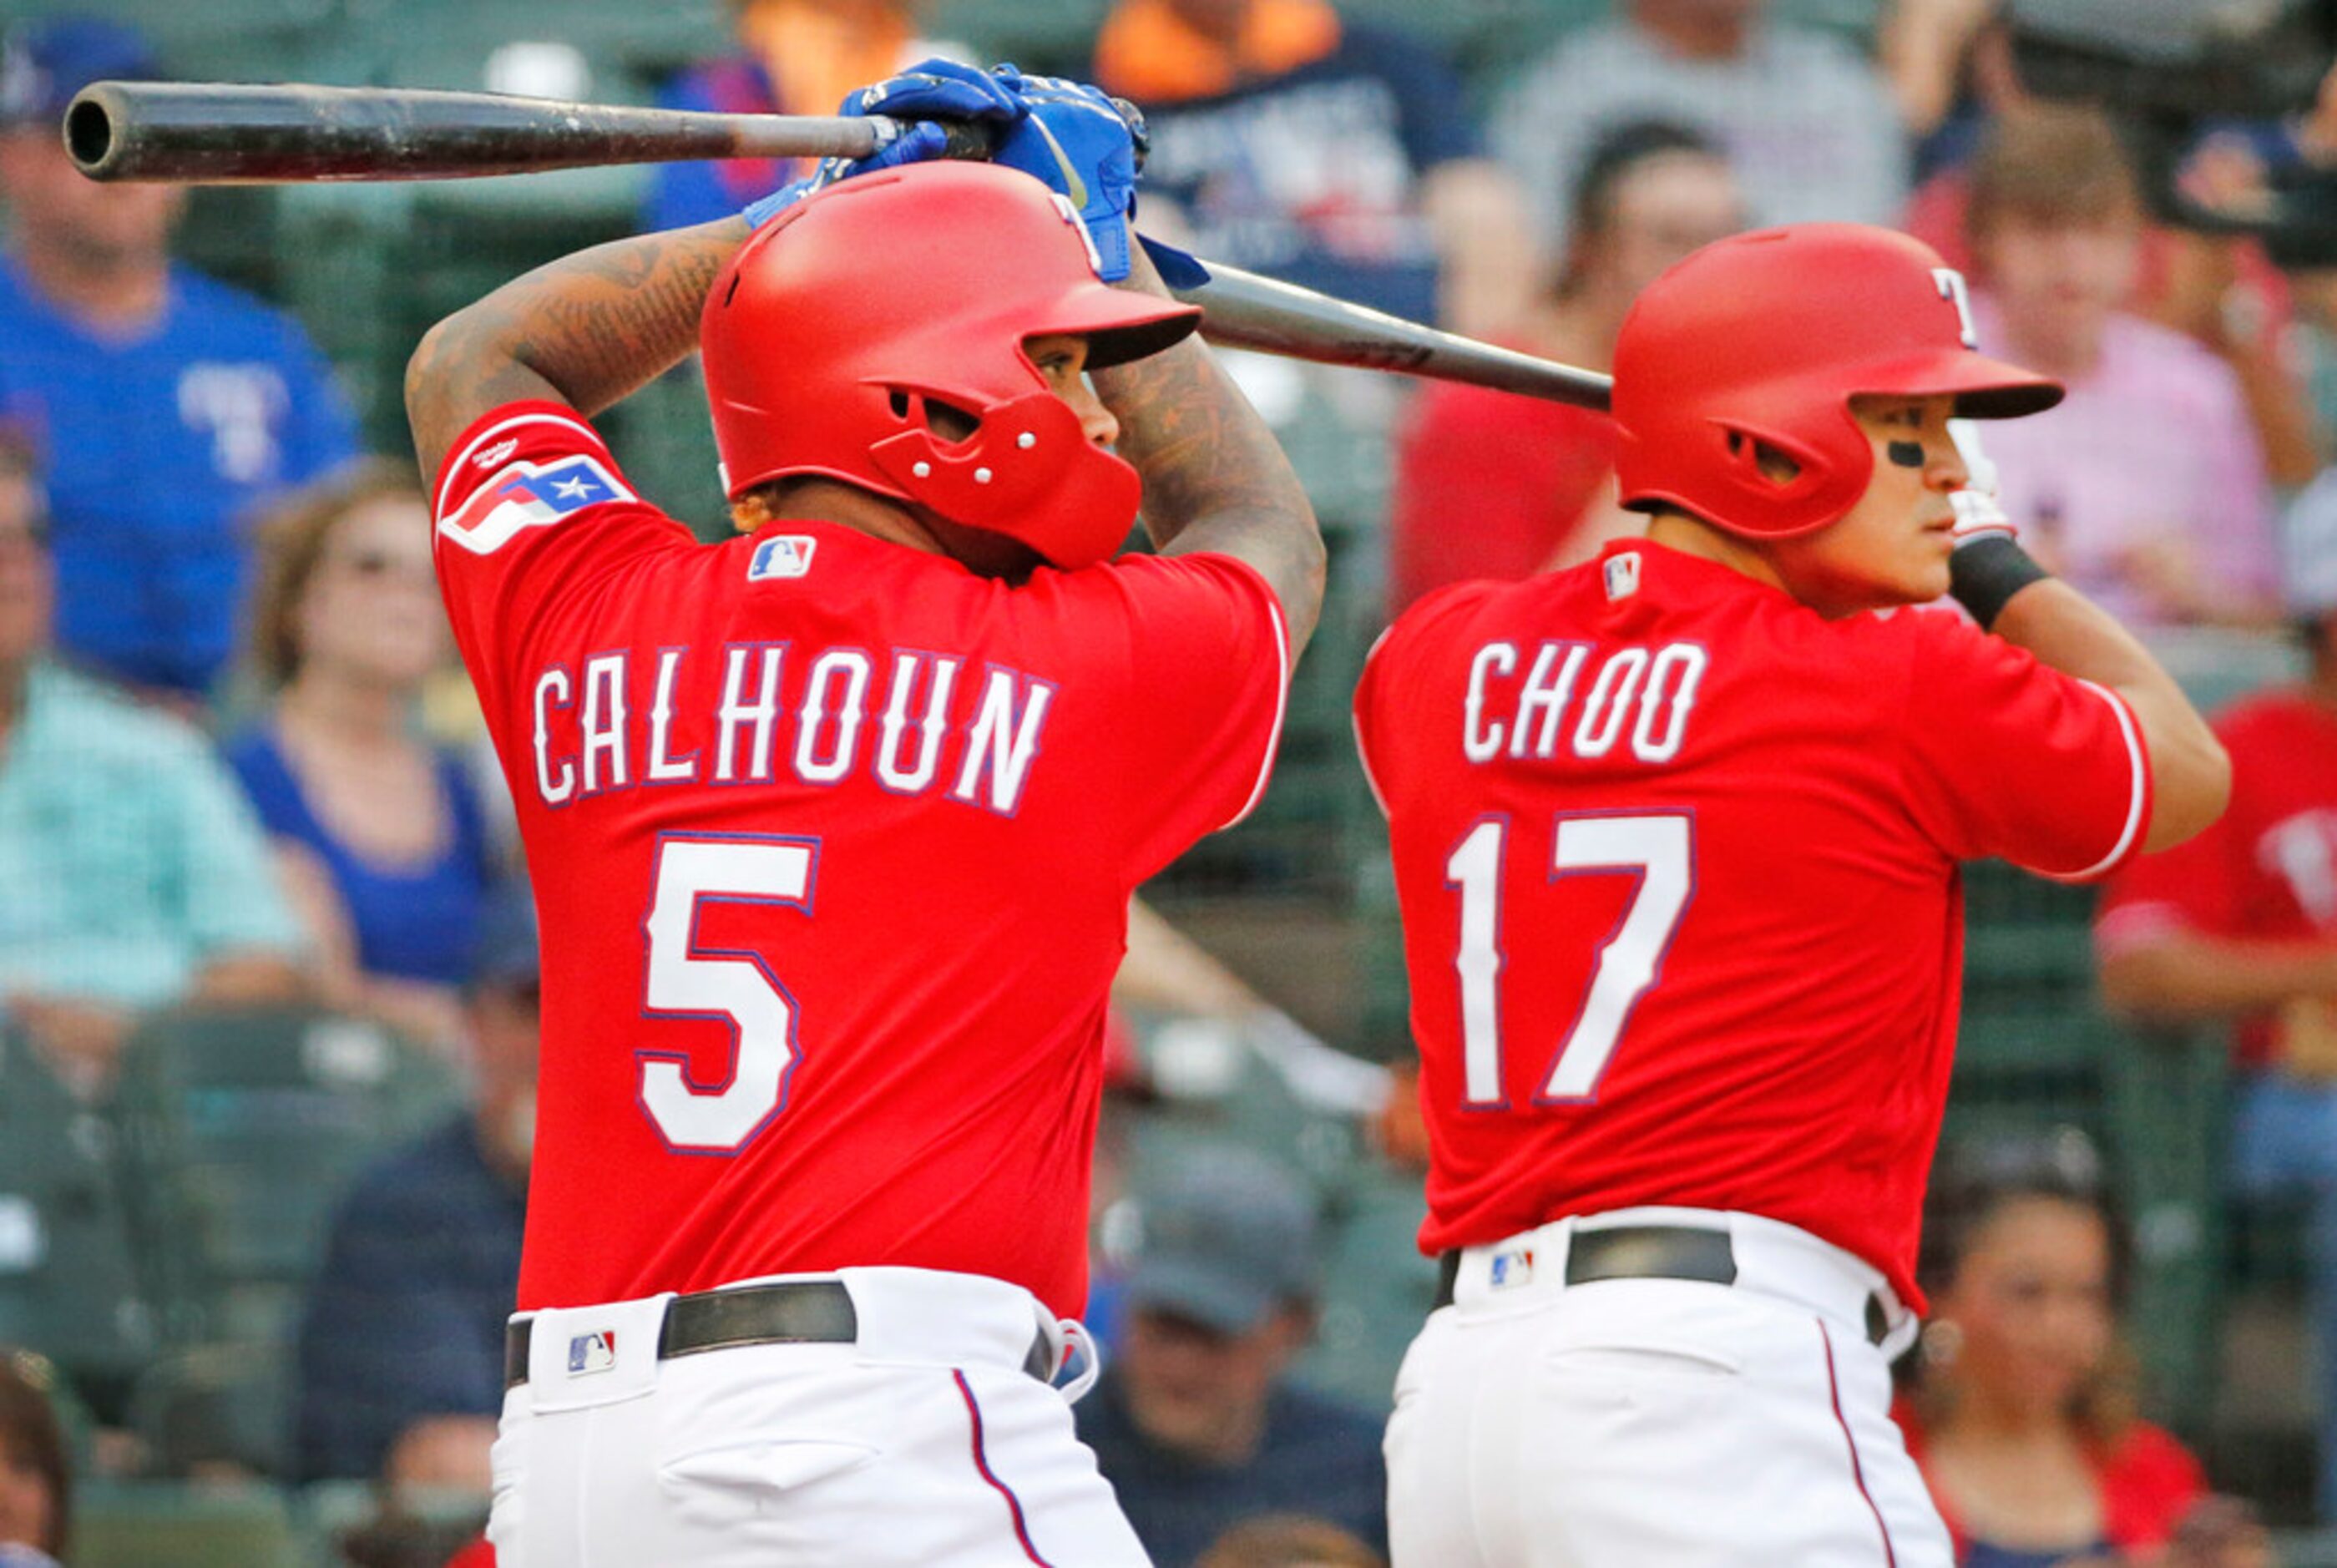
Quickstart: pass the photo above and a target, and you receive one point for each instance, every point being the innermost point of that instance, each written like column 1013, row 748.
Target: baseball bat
column 235, row 133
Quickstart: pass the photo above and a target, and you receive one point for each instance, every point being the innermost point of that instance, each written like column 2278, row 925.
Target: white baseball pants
column 1630, row 1423
column 923, row 1444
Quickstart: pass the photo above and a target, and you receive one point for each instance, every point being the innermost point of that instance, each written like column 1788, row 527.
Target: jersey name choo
column 1559, row 698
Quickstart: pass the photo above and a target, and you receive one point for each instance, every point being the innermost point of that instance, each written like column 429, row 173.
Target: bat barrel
column 235, row 133
column 1243, row 310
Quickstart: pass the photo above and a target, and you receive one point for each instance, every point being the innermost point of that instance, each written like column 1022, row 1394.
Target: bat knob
column 88, row 130
column 1138, row 132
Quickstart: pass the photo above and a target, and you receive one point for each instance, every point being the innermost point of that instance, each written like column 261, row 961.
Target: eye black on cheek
column 1905, row 454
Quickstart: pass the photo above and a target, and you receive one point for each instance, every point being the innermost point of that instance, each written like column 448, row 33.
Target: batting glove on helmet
column 1069, row 136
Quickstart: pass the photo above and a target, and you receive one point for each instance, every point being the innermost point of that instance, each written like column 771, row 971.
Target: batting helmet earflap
column 1761, row 340
column 837, row 326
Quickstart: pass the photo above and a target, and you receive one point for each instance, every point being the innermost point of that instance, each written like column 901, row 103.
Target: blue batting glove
column 927, row 92
column 1072, row 138
column 937, row 89
column 915, row 144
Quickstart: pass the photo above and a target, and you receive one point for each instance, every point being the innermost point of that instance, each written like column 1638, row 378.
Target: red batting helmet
column 1764, row 338
column 838, row 321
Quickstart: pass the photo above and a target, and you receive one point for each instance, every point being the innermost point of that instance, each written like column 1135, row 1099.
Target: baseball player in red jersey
column 833, row 829
column 1675, row 836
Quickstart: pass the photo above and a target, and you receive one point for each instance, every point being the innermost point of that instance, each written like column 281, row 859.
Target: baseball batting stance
column 833, row 829
column 1675, row 838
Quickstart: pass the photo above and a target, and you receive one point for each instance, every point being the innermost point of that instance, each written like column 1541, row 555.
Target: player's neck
column 849, row 506
column 1694, row 536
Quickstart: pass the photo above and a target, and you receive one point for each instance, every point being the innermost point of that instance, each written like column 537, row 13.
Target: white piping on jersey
column 1355, row 722
column 2140, row 763
column 1281, row 705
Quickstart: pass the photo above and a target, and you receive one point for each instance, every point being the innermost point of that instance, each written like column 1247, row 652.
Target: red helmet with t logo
column 839, row 326
column 1761, row 340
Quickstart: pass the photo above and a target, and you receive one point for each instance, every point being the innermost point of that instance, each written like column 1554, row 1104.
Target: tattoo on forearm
column 586, row 330
column 1213, row 473
column 1200, row 449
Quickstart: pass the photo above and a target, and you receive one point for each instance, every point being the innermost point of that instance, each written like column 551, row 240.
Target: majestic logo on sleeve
column 529, row 495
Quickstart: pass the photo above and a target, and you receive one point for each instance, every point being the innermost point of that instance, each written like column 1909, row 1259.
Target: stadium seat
column 240, row 1129
column 202, row 1408
column 68, row 1286
column 161, row 1525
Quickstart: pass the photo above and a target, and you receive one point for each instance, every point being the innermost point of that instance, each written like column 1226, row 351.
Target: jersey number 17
column 1658, row 850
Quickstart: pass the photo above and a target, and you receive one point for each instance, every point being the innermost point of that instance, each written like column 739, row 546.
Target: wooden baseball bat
column 234, row 133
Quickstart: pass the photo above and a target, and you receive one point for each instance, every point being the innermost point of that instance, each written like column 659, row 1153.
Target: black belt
column 785, row 1312
column 1651, row 1253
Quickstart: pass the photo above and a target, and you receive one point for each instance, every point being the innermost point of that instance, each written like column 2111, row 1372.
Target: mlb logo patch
column 1512, row 1267
column 784, row 556
column 1622, row 575
column 593, row 1352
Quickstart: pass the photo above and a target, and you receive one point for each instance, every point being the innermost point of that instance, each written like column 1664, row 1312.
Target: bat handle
column 977, row 139
column 972, row 139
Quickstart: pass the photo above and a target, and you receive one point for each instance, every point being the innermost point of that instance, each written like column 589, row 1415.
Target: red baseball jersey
column 2268, row 869
column 832, row 842
column 1678, row 863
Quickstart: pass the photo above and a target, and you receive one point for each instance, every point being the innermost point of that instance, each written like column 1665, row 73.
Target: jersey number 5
column 685, row 981
column 1659, row 851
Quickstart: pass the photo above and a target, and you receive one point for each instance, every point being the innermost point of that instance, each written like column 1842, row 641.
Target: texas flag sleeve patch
column 530, row 495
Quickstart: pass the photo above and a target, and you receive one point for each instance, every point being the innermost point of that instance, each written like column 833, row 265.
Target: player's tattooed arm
column 1214, row 476
column 584, row 330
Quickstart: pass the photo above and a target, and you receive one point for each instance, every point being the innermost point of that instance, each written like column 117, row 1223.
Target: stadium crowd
column 267, row 982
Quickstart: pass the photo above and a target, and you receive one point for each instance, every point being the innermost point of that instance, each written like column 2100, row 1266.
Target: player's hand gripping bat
column 223, row 133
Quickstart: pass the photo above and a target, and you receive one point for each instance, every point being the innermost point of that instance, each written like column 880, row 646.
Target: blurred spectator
column 2240, row 925
column 1194, row 1423
column 131, row 873
column 1334, row 155
column 1190, row 1002
column 1950, row 66
column 796, row 58
column 1289, row 1541
column 2020, row 1410
column 1491, row 484
column 401, row 1350
column 1806, row 121
column 166, row 404
column 2147, row 486
column 379, row 834
column 35, row 1481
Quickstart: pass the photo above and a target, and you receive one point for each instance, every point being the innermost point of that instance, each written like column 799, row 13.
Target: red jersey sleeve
column 528, row 509
column 1198, row 678
column 2003, row 755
